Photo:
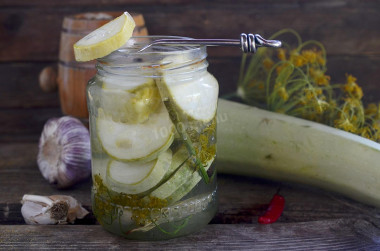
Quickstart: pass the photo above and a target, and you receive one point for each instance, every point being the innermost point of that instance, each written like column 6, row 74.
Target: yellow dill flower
column 347, row 109
column 350, row 78
column 310, row 94
column 345, row 124
column 358, row 92
column 376, row 125
column 319, row 77
column 332, row 103
column 352, row 88
column 321, row 106
column 352, row 102
column 320, row 59
column 310, row 56
column 371, row 109
column 376, row 130
column 283, row 93
column 302, row 101
column 323, row 80
column 281, row 54
column 354, row 119
column 366, row 132
column 297, row 59
column 348, row 88
column 268, row 63
column 318, row 91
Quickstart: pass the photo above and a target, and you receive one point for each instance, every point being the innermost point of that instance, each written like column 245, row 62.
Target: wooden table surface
column 312, row 219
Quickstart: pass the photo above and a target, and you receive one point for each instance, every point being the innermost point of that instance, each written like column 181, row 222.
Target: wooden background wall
column 30, row 32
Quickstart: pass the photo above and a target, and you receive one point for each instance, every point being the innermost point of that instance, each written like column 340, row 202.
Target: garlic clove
column 33, row 214
column 75, row 211
column 47, row 210
column 64, row 156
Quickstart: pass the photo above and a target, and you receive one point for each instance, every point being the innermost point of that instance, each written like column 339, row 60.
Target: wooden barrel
column 73, row 76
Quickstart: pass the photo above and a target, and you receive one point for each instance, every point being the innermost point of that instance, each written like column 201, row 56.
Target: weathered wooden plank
column 19, row 87
column 19, row 84
column 20, row 175
column 33, row 33
column 24, row 124
column 318, row 235
column 259, row 3
column 243, row 199
column 38, row 3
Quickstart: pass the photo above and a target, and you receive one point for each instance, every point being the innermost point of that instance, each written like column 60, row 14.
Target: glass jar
column 153, row 139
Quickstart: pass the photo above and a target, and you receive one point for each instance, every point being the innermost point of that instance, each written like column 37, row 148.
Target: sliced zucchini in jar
column 185, row 188
column 136, row 177
column 182, row 181
column 132, row 102
column 195, row 98
column 135, row 142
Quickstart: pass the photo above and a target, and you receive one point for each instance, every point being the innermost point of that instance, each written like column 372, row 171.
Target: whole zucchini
column 270, row 145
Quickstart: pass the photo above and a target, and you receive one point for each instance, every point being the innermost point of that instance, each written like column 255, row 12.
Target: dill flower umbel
column 352, row 88
column 293, row 80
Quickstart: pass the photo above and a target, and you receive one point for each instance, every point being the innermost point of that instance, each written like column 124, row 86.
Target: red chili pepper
column 274, row 211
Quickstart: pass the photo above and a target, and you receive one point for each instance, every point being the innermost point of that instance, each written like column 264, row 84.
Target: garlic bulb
column 54, row 209
column 64, row 156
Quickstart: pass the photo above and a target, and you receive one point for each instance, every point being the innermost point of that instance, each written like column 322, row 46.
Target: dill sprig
column 293, row 80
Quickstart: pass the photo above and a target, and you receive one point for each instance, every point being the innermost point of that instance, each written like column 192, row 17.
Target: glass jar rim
column 164, row 56
column 132, row 46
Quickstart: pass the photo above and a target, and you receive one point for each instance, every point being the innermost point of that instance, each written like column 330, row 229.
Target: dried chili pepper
column 274, row 211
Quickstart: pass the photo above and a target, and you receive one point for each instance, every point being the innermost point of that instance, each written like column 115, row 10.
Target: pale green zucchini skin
column 260, row 143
